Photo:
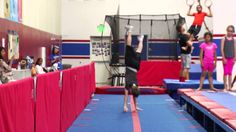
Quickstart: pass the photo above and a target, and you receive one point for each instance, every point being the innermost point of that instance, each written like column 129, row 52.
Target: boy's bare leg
column 136, row 104
column 126, row 109
column 186, row 73
column 128, row 42
column 129, row 39
column 129, row 34
column 140, row 44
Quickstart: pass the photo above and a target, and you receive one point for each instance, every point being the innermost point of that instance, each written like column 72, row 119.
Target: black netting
column 155, row 26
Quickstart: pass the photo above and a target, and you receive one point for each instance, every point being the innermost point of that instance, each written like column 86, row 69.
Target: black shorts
column 194, row 30
column 130, row 79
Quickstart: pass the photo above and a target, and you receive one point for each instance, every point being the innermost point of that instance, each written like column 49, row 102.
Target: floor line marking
column 135, row 116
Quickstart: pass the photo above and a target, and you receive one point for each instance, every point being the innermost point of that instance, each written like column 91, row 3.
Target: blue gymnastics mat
column 195, row 72
column 225, row 99
column 174, row 84
column 160, row 114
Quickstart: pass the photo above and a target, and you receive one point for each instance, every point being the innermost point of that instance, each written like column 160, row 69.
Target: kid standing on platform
column 228, row 55
column 186, row 49
column 208, row 60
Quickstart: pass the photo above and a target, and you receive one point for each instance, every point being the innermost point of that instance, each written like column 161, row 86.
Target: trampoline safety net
column 155, row 26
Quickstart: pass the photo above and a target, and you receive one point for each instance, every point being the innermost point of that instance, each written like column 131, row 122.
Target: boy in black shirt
column 185, row 41
column 132, row 61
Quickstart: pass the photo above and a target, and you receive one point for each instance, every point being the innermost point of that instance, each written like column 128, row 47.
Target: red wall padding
column 152, row 73
column 16, row 106
column 55, row 109
column 77, row 87
column 48, row 103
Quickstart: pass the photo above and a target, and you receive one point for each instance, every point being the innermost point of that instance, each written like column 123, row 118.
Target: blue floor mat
column 104, row 114
column 160, row 114
column 225, row 99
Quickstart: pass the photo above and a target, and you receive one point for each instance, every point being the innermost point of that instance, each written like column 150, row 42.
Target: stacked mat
column 195, row 73
column 215, row 115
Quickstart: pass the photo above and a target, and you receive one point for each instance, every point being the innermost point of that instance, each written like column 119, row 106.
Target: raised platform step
column 174, row 84
column 195, row 72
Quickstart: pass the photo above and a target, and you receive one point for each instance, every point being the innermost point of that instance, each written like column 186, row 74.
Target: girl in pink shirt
column 208, row 60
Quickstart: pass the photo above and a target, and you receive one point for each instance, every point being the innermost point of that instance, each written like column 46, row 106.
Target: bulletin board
column 100, row 48
column 13, row 45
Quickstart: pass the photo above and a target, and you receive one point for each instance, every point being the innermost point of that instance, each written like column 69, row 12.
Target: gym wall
column 42, row 14
column 31, row 40
column 79, row 21
column 40, row 25
column 89, row 14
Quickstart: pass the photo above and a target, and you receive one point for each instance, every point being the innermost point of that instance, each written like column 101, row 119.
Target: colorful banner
column 14, row 10
column 7, row 8
column 13, row 45
column 19, row 10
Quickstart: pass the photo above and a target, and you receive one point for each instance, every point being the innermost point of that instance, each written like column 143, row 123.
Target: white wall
column 224, row 15
column 80, row 18
column 90, row 13
column 86, row 15
column 75, row 62
column 162, row 7
column 42, row 14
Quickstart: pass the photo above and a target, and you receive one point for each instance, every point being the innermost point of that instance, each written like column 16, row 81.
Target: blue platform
column 195, row 72
column 174, row 84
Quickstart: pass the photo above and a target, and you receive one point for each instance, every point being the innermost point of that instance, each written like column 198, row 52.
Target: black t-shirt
column 183, row 39
column 132, row 58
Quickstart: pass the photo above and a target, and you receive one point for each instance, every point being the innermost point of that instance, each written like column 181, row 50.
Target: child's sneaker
column 139, row 109
column 129, row 28
column 140, row 38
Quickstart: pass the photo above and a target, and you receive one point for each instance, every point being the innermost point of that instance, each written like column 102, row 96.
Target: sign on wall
column 7, row 9
column 12, row 10
column 100, row 48
column 13, row 45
